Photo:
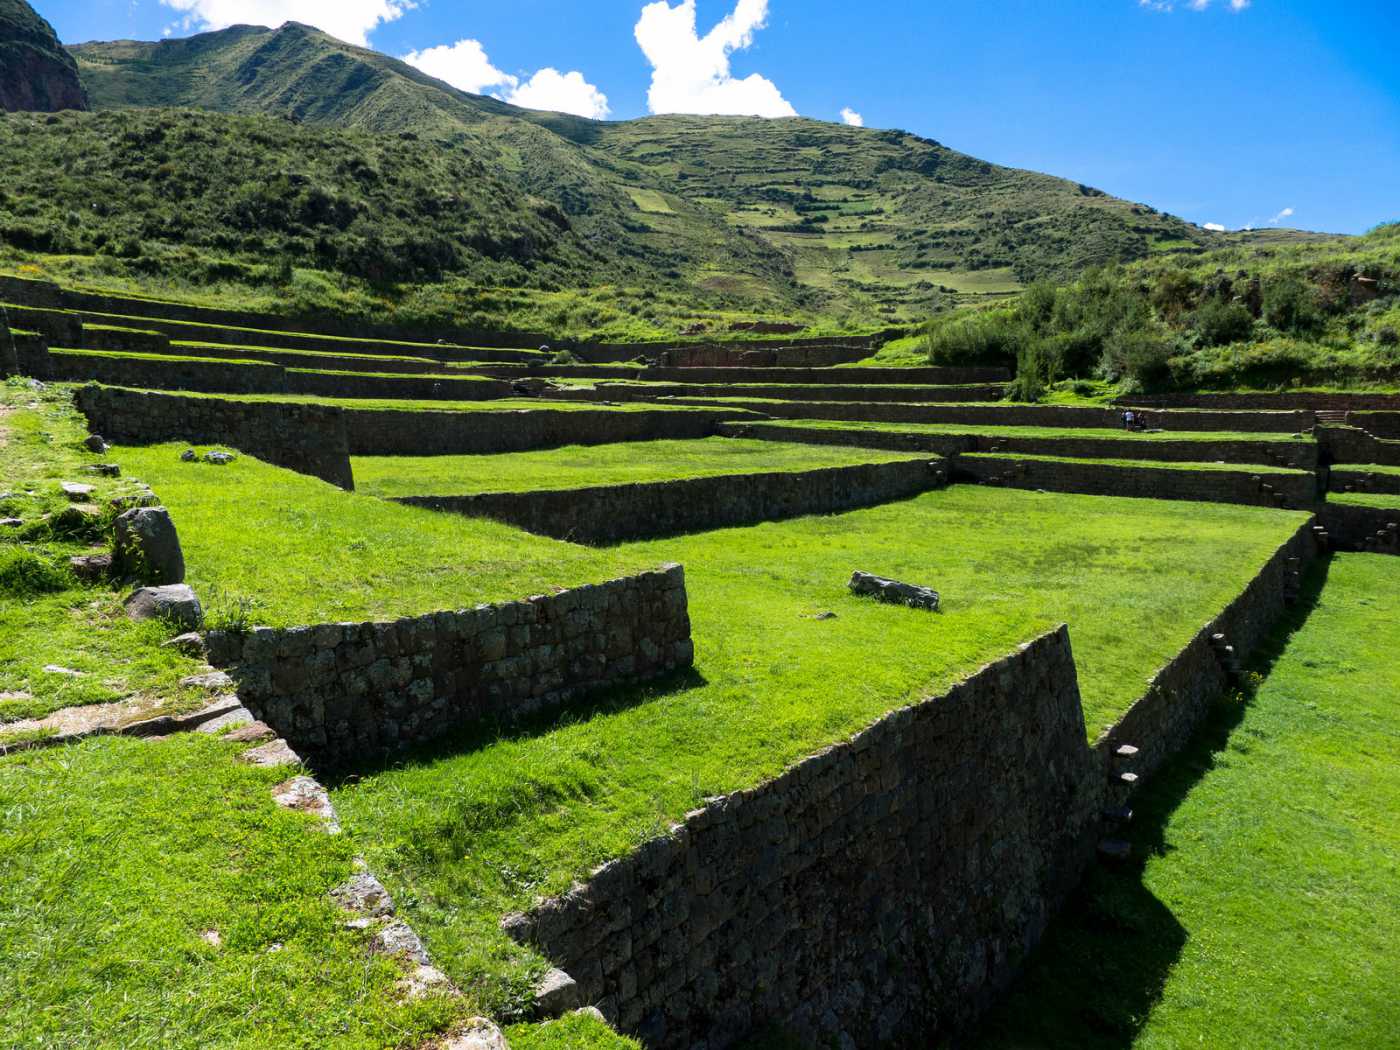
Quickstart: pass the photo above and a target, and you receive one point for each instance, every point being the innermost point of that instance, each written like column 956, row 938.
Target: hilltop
column 36, row 73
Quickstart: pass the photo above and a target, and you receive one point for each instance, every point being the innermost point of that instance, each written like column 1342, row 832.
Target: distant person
column 1129, row 419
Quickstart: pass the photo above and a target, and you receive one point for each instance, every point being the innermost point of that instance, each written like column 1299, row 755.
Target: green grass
column 579, row 466
column 120, row 854
column 573, row 1032
column 1266, row 909
column 308, row 355
column 1234, row 468
column 379, row 404
column 1364, row 468
column 990, row 430
column 1381, row 500
column 126, row 355
column 63, row 623
column 482, row 825
column 305, row 552
column 405, row 377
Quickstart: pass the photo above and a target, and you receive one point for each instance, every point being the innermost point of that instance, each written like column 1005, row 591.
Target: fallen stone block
column 77, row 492
column 271, row 755
column 479, row 1034
column 397, row 939
column 307, row 796
column 364, row 895
column 148, row 547
column 190, row 644
column 177, row 604
column 894, row 592
column 557, row 994
column 95, row 443
column 90, row 568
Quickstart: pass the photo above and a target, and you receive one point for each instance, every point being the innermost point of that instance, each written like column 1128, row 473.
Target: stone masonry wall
column 616, row 513
column 310, row 439
column 1357, row 528
column 1145, row 481
column 214, row 377
column 345, row 694
column 877, row 376
column 881, row 890
column 802, row 394
column 1350, row 445
column 396, row 388
column 128, row 340
column 405, row 433
column 9, row 356
column 1302, row 455
column 1380, row 424
column 1304, row 402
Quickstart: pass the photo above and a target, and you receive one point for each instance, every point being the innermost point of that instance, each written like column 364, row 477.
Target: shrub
column 1219, row 323
column 23, row 574
column 1290, row 305
column 1142, row 357
column 991, row 338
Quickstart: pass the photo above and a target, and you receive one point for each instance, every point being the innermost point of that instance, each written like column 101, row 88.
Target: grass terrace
column 1234, row 468
column 379, row 404
column 480, row 826
column 1380, row 500
column 1266, row 909
column 990, row 430
column 165, row 359
column 578, row 466
column 283, row 549
column 1365, row 468
column 238, row 352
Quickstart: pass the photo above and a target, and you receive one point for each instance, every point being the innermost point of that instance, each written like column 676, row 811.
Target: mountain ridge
column 36, row 72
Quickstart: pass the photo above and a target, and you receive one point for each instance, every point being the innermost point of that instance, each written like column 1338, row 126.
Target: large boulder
column 177, row 604
column 148, row 547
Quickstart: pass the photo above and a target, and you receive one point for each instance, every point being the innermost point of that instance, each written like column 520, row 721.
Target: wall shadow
column 1104, row 962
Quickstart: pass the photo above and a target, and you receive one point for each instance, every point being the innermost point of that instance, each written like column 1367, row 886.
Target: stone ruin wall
column 616, row 513
column 347, row 694
column 889, row 887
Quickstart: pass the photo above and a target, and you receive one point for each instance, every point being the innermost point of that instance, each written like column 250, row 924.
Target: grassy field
column 302, row 551
column 63, row 644
column 580, row 466
column 482, row 824
column 1266, row 909
column 1237, row 468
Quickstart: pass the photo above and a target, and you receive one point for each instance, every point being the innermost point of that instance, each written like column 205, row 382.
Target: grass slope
column 1267, row 910
column 581, row 466
column 482, row 824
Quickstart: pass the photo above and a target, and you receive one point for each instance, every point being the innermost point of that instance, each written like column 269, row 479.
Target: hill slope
column 36, row 73
column 794, row 213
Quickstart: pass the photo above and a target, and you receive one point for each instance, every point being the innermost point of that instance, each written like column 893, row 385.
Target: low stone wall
column 310, row 439
column 879, row 892
column 57, row 328
column 291, row 359
column 211, row 377
column 819, row 352
column 1180, row 695
column 1303, row 402
column 840, row 392
column 403, row 433
column 777, row 374
column 1379, row 424
column 616, row 513
column 1350, row 445
column 1301, row 455
column 1357, row 480
column 31, row 354
column 128, row 340
column 395, row 388
column 9, row 356
column 1009, row 415
column 345, row 694
column 1144, row 482
column 1351, row 528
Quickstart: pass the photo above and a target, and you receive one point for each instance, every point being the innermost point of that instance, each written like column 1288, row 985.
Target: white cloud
column 851, row 117
column 691, row 74
column 466, row 66
column 1214, row 227
column 350, row 20
column 1287, row 213
column 561, row 93
column 1194, row 5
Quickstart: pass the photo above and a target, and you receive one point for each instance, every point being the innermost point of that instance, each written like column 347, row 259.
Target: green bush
column 23, row 574
column 1291, row 306
column 1219, row 323
column 991, row 338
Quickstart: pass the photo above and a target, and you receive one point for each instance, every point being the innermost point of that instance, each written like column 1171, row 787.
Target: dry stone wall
column 310, row 439
column 802, row 394
column 616, row 513
column 1358, row 479
column 1351, row 445
column 1294, row 402
column 345, row 694
column 172, row 373
column 1144, row 481
column 877, row 376
column 400, row 388
column 881, row 890
column 1356, row 528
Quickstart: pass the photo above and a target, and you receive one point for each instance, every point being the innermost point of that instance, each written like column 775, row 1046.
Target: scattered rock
column 90, row 568
column 189, row 456
column 894, row 592
column 211, row 938
column 251, row 733
column 177, row 604
column 307, row 796
column 78, row 519
column 11, row 523
column 67, row 671
column 479, row 1034
column 148, row 547
column 212, row 682
column 593, row 1012
column 142, row 497
column 219, row 459
column 424, row 981
column 398, row 940
column 557, row 994
column 365, row 896
column 104, row 470
column 272, row 754
column 239, row 718
column 190, row 644
column 95, row 443
column 77, row 492
column 825, row 616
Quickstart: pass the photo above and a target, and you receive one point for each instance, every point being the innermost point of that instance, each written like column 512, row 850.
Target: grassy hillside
column 674, row 223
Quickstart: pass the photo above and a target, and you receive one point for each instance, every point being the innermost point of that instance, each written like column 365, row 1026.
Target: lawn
column 480, row 825
column 1379, row 500
column 1266, row 909
column 519, row 404
column 1364, row 468
column 1235, row 468
column 579, row 466
column 990, row 430
column 289, row 550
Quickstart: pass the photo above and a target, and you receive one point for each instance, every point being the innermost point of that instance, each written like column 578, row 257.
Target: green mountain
column 36, row 73
column 788, row 215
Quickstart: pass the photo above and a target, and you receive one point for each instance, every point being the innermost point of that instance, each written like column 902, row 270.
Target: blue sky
column 1271, row 111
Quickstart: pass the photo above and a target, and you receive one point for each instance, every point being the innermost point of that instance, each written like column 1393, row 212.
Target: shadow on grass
column 1104, row 962
column 482, row 734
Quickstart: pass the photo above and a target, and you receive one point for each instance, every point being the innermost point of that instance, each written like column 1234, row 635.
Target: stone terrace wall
column 1300, row 454
column 345, row 694
column 841, row 392
column 293, row 359
column 310, row 439
column 1028, row 416
column 1381, row 424
column 396, row 388
column 1356, row 479
column 1145, row 481
column 1356, row 528
column 1350, row 445
column 100, row 337
column 819, row 352
column 881, row 376
column 404, row 433
column 1307, row 402
column 32, row 354
column 9, row 356
column 213, row 377
column 881, row 890
column 1179, row 696
column 616, row 513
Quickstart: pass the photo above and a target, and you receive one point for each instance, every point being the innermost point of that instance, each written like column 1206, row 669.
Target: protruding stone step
column 1127, row 751
column 1127, row 780
column 1118, row 814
